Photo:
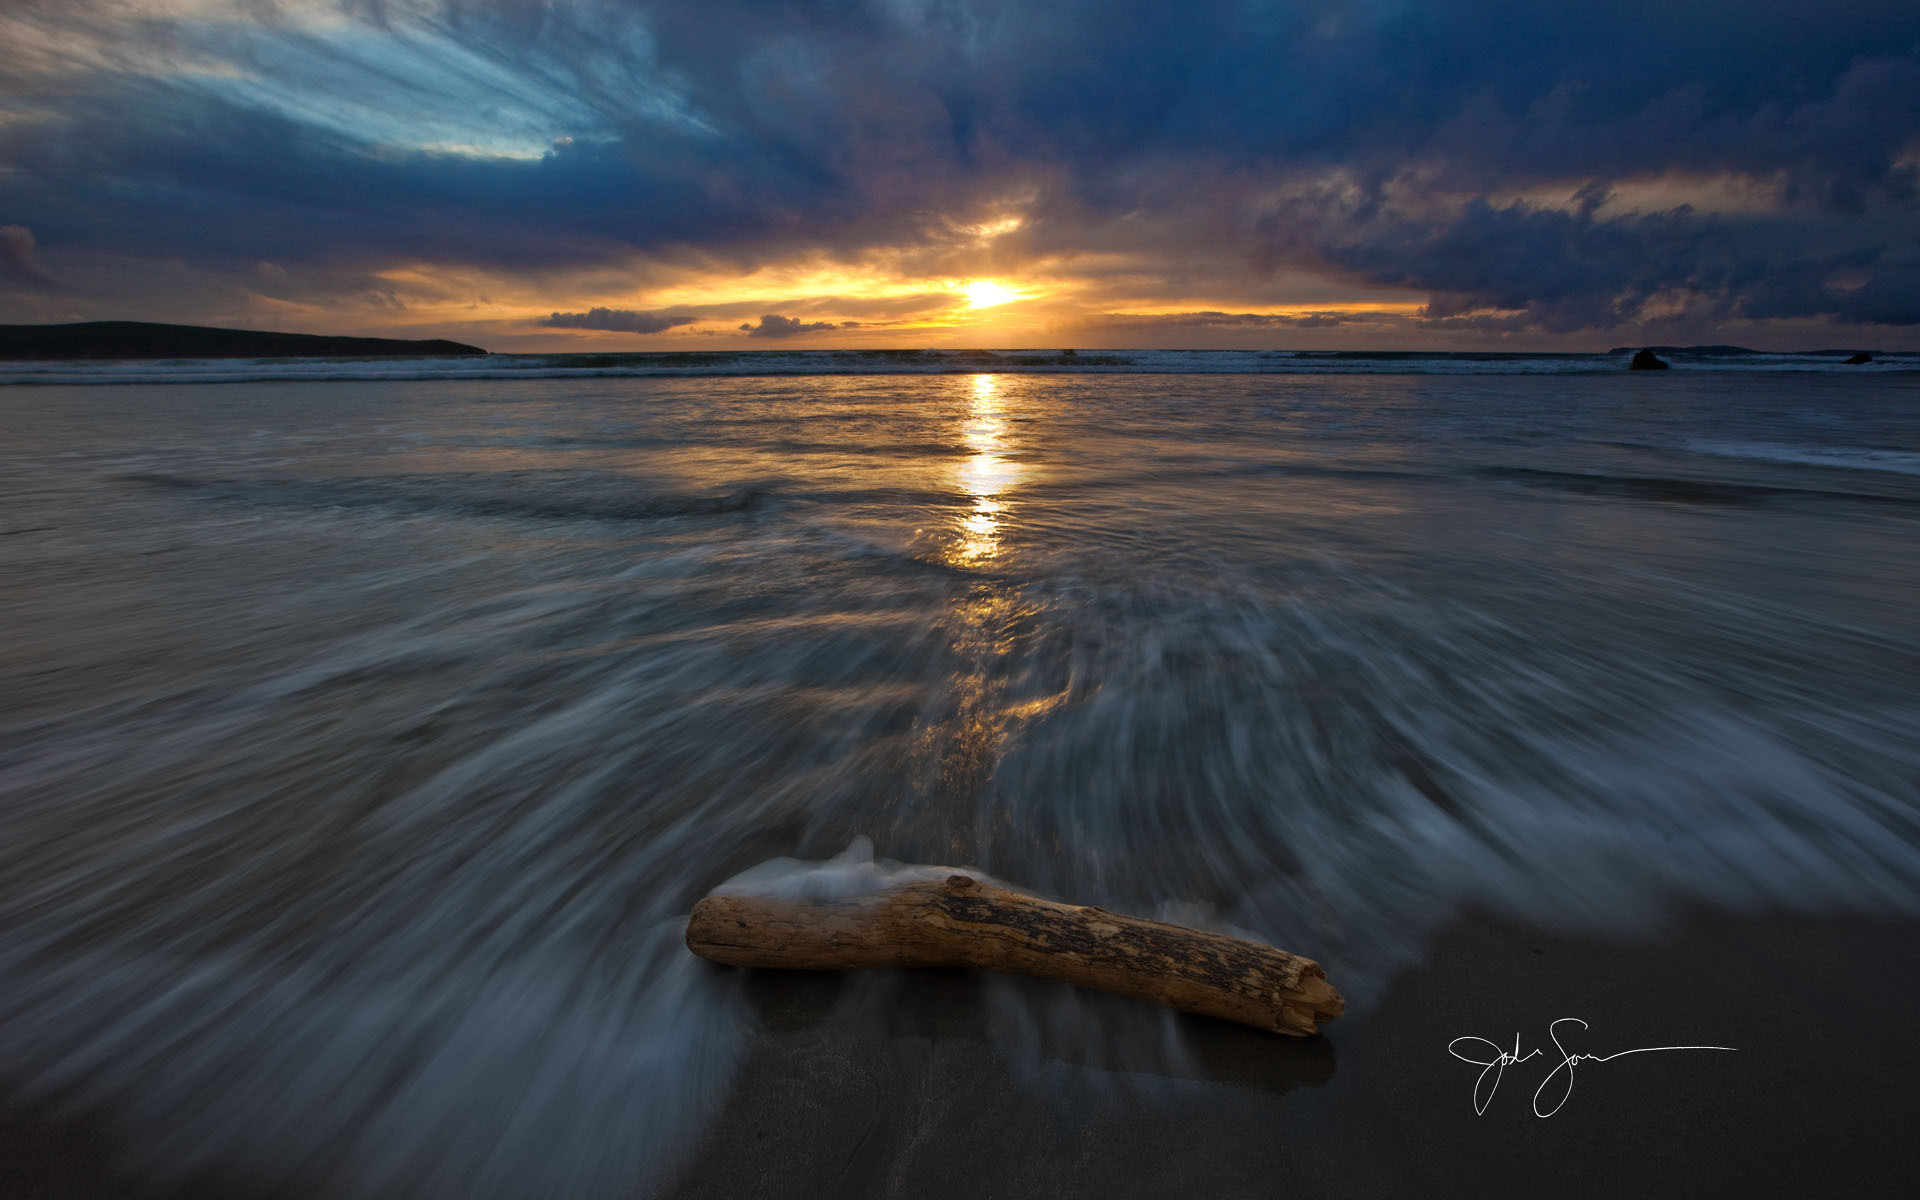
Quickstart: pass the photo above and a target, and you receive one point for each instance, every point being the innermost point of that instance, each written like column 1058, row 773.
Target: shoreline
column 889, row 1085
column 1814, row 1099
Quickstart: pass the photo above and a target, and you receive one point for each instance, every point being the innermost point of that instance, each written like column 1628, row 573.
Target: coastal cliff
column 143, row 339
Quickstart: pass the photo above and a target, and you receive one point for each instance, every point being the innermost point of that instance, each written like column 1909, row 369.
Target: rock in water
column 1858, row 359
column 1646, row 360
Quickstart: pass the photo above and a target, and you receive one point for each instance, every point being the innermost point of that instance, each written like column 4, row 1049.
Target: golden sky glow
column 895, row 296
column 985, row 293
column 908, row 295
column 916, row 293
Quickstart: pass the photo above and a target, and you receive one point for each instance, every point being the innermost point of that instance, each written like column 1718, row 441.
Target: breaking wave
column 775, row 363
column 1838, row 458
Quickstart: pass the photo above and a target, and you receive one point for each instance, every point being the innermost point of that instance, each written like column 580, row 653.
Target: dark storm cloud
column 1571, row 270
column 1380, row 141
column 618, row 320
column 1222, row 320
column 773, row 325
column 1174, row 322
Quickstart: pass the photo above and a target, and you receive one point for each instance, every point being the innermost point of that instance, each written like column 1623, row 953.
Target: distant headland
column 144, row 339
column 1744, row 352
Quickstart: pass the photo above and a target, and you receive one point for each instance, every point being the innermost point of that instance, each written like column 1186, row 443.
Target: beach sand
column 1817, row 1099
column 888, row 1086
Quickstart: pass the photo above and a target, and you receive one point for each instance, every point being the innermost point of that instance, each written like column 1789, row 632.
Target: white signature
column 1500, row 1060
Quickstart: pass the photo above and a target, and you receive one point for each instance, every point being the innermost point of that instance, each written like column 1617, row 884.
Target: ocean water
column 774, row 363
column 366, row 733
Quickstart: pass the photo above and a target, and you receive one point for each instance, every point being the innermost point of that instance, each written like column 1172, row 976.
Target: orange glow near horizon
column 985, row 293
column 882, row 300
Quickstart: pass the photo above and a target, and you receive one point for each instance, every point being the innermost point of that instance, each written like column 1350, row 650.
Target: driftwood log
column 960, row 921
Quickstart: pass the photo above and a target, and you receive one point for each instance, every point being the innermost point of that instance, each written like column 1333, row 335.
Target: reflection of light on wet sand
column 966, row 743
column 986, row 475
column 991, row 698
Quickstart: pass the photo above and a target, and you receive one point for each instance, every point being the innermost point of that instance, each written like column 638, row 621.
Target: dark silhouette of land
column 144, row 339
column 1742, row 351
column 1700, row 351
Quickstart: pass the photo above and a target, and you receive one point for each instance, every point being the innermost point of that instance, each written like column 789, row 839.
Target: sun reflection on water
column 987, row 475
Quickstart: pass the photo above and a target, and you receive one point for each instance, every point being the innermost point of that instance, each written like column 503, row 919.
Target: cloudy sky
column 625, row 174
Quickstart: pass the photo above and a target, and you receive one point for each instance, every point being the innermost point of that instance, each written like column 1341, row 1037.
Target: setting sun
column 985, row 293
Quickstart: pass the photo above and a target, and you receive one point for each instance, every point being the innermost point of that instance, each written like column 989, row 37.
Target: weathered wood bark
column 960, row 921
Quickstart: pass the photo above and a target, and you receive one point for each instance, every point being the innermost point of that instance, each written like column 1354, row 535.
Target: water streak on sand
column 368, row 742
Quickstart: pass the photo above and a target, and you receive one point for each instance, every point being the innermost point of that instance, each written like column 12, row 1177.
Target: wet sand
column 902, row 1098
column 889, row 1086
column 372, row 733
